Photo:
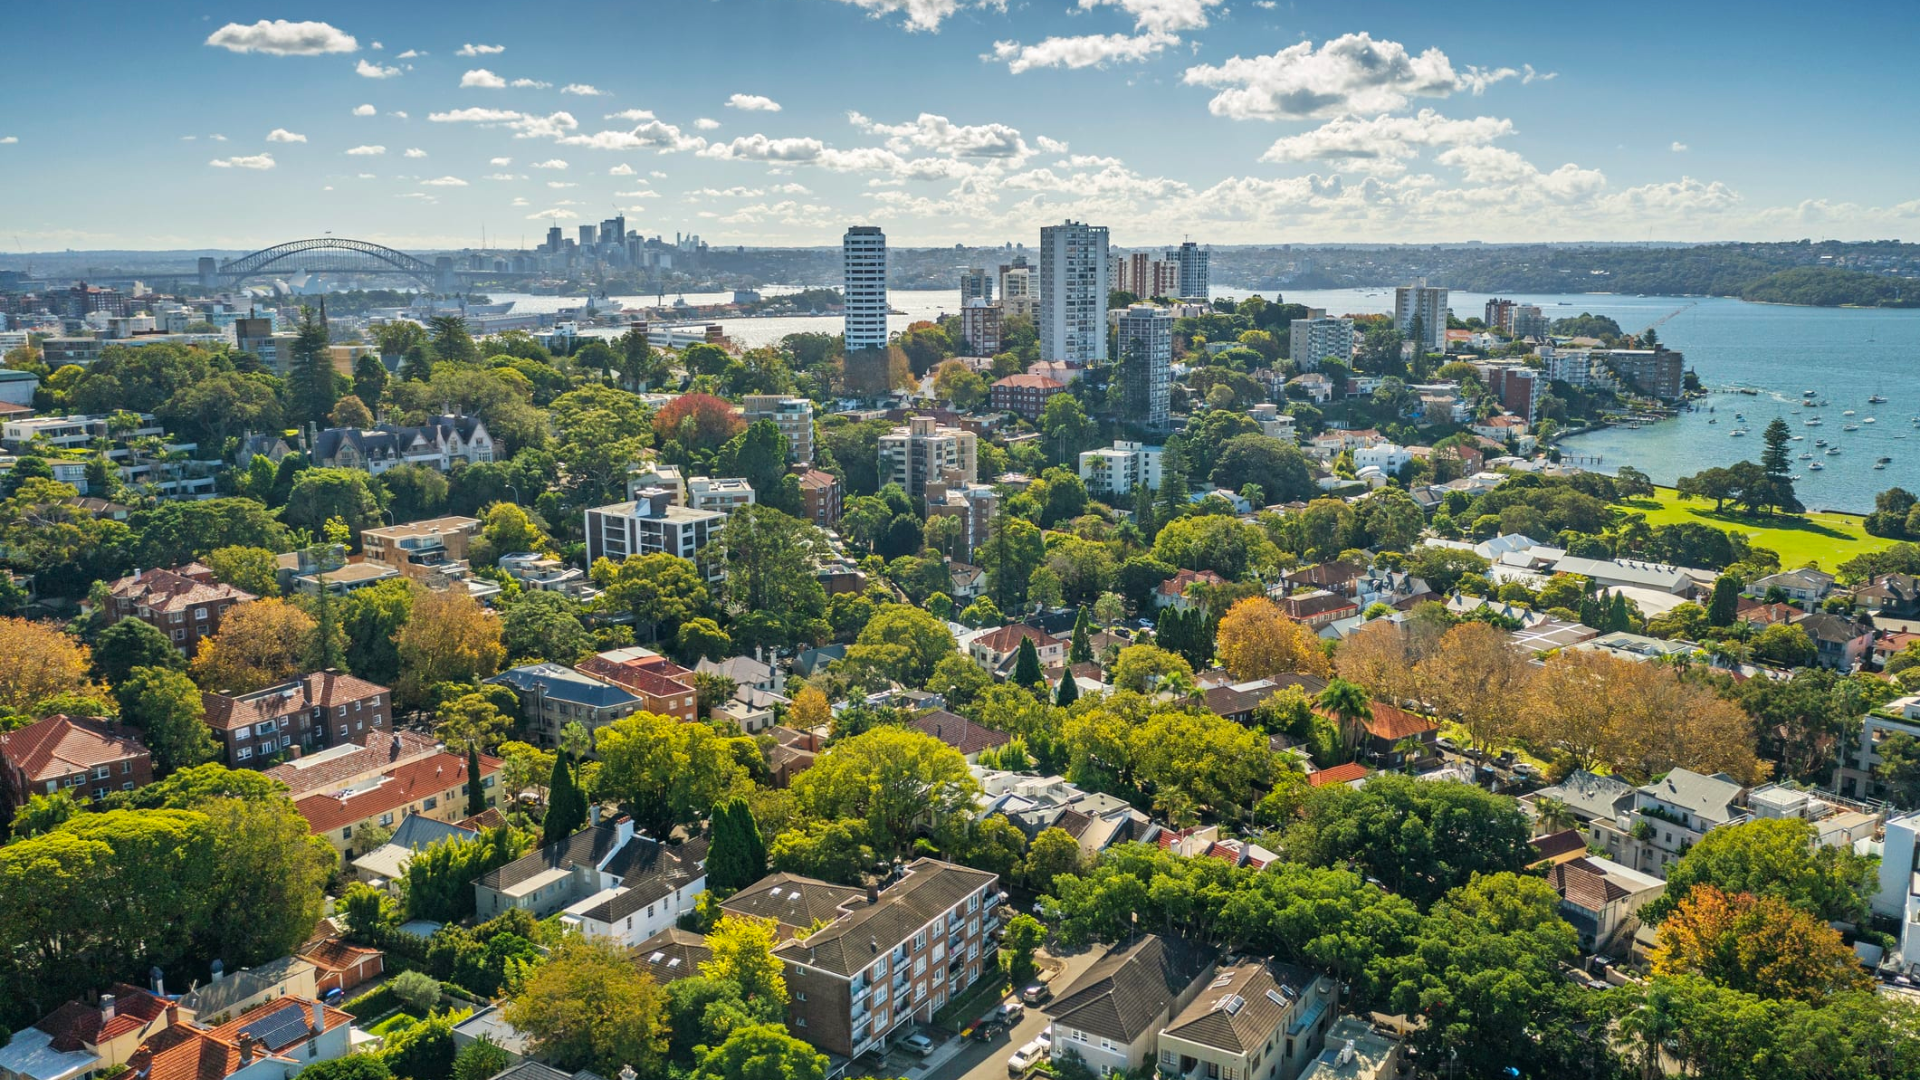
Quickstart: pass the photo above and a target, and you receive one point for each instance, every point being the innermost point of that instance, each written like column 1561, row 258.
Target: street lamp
column 516, row 494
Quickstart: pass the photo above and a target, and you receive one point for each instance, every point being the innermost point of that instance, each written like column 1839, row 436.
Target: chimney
column 593, row 814
column 873, row 893
column 393, row 747
column 246, row 1048
column 319, row 1017
column 159, row 982
column 106, row 1009
column 219, row 970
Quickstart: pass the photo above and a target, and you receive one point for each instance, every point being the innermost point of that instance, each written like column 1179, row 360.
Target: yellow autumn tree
column 449, row 638
column 258, row 644
column 37, row 662
column 810, row 709
column 1257, row 640
column 1757, row 945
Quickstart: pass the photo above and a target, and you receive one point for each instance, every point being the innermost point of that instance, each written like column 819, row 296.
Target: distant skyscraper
column 1146, row 362
column 1073, row 292
column 975, row 284
column 1195, row 278
column 864, row 253
column 589, row 236
column 556, row 240
column 1428, row 306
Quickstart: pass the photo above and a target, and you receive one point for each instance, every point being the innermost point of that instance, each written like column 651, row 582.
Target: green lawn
column 1824, row 538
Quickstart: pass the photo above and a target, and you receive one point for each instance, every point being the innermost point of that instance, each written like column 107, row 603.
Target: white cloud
column 530, row 84
column 410, row 54
column 480, row 50
column 753, row 103
column 790, row 189
column 524, row 125
column 921, row 14
column 364, row 110
column 634, row 115
column 552, row 215
column 254, row 161
column 651, row 135
column 1050, row 146
column 1528, row 75
column 518, row 201
column 376, row 45
column 583, row 89
column 643, row 193
column 1678, row 147
column 500, row 161
column 367, row 70
column 445, row 181
column 501, row 176
column 550, row 163
column 561, row 184
column 1347, row 75
column 283, row 135
column 620, row 170
column 1169, row 16
column 657, row 175
column 941, row 135
column 735, row 192
column 415, row 152
column 482, row 79
column 1084, row 51
column 1384, row 143
column 401, row 113
column 706, row 123
column 367, row 151
column 9, row 140
column 282, row 38
column 188, row 138
column 367, row 176
column 218, row 138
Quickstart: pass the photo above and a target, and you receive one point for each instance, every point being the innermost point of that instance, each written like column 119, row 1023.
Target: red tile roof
column 959, row 732
column 409, row 783
column 260, row 1016
column 73, row 1025
column 321, row 688
column 1393, row 724
column 1177, row 584
column 61, row 745
column 184, row 1052
column 663, row 678
column 1339, row 774
column 1030, row 382
column 1007, row 638
column 817, row 478
column 176, row 590
column 376, row 754
column 1554, row 845
column 332, row 954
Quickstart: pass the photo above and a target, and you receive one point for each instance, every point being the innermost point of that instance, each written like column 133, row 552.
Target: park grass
column 1824, row 538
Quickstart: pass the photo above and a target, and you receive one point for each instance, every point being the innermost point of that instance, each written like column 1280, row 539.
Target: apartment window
column 243, row 753
column 128, row 786
column 200, row 614
column 939, row 925
column 386, row 819
column 53, row 786
column 346, row 833
column 431, row 803
column 919, row 941
column 179, row 635
column 126, row 767
column 101, row 772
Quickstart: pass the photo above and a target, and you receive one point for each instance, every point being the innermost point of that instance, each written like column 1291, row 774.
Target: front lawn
column 1827, row 539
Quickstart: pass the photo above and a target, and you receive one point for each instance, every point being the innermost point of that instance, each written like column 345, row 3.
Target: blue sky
column 975, row 121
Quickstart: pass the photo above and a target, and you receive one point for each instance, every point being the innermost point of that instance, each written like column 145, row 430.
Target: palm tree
column 1350, row 706
column 1553, row 815
column 1180, row 686
column 1410, row 749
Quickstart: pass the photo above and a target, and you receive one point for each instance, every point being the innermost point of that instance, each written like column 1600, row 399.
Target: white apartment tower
column 864, row 252
column 1316, row 340
column 1146, row 358
column 1429, row 306
column 1017, row 288
column 1073, row 293
column 1195, row 278
column 923, row 452
column 975, row 284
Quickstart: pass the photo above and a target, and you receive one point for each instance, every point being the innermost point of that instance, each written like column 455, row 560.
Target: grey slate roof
column 869, row 930
column 1590, row 795
column 565, row 684
column 1215, row 1018
column 1712, row 797
column 417, row 832
column 588, row 846
column 1125, row 993
column 672, row 954
column 649, row 872
column 791, row 900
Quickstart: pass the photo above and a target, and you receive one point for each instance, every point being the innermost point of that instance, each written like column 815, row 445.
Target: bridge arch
column 329, row 254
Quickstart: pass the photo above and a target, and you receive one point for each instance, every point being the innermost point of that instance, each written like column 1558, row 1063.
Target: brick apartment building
column 1024, row 394
column 84, row 757
column 185, row 603
column 296, row 717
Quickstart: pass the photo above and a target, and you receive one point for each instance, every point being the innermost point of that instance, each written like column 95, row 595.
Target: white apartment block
column 1195, row 279
column 1318, row 340
column 725, row 494
column 980, row 325
column 1146, row 353
column 1273, row 423
column 1017, row 287
column 792, row 415
column 651, row 523
column 864, row 255
column 1073, row 292
column 923, row 452
column 1116, row 470
column 975, row 284
column 1429, row 306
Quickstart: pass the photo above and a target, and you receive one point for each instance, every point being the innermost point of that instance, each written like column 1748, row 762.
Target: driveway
column 988, row 1061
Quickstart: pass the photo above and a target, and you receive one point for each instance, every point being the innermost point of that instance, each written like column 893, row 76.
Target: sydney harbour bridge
column 330, row 255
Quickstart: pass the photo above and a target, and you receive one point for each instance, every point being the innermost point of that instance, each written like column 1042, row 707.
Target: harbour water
column 1846, row 356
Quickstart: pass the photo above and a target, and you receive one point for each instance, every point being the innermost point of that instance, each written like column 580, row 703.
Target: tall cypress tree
column 1069, row 691
column 1725, row 606
column 566, row 806
column 310, row 370
column 476, row 791
column 1026, row 669
column 737, row 856
column 1082, row 648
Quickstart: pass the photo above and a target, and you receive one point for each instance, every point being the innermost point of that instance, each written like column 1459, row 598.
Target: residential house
column 672, row 954
column 1632, row 573
column 1034, row 804
column 437, row 444
column 1177, row 591
column 793, row 752
column 892, row 958
column 961, row 733
column 185, row 603
column 1390, row 727
column 272, row 1041
column 1601, row 808
column 343, row 580
column 296, row 717
column 745, row 671
column 552, row 696
column 76, row 1041
column 606, row 881
column 537, row 572
column 1839, row 641
column 1803, row 586
column 662, row 686
column 386, row 866
column 490, row 1023
column 1256, row 1019
column 339, row 966
column 1674, row 812
column 1352, row 774
column 1892, row 595
column 1318, row 608
column 795, row 904
column 997, row 649
column 1600, row 898
column 1237, row 701
column 229, row 994
column 1112, row 1014
column 351, row 814
column 721, row 494
column 86, row 758
column 969, row 582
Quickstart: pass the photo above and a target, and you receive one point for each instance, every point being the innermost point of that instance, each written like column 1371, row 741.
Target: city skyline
column 781, row 122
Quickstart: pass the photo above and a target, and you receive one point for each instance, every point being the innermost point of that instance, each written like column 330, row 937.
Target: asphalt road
column 988, row 1061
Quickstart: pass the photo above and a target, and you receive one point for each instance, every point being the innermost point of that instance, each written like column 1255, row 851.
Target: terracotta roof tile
column 1393, row 723
column 1339, row 774
column 332, row 954
column 321, row 688
column 409, row 783
column 1554, row 845
column 73, row 1024
column 61, row 745
column 376, row 753
column 176, row 590
column 959, row 732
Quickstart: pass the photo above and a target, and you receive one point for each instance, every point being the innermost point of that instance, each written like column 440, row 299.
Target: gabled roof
column 1235, row 1013
column 672, row 954
column 189, row 586
column 1126, row 992
column 1339, row 774
column 281, row 1023
column 868, row 930
column 1711, row 797
column 1177, row 584
column 61, row 745
column 322, row 689
column 1006, row 639
column 1833, row 629
column 1593, row 884
column 333, row 954
column 565, row 684
column 648, row 871
column 1590, row 795
column 409, row 783
column 1554, row 845
column 589, row 847
column 1393, row 723
column 376, row 751
column 74, row 1025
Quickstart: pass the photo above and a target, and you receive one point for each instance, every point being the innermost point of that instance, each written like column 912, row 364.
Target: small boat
column 1866, row 419
column 1809, row 393
column 1816, row 466
column 1799, row 438
column 1832, row 450
column 1737, row 433
column 1851, row 427
column 1877, row 399
column 1742, row 417
column 1795, row 476
column 1815, row 422
column 1849, row 412
column 1885, row 460
column 1806, row 457
column 1819, row 442
column 1877, row 465
column 1713, row 419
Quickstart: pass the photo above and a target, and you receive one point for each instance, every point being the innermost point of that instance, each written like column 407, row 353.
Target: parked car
column 1037, row 993
column 1023, row 1058
column 918, row 1043
column 1009, row 1012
